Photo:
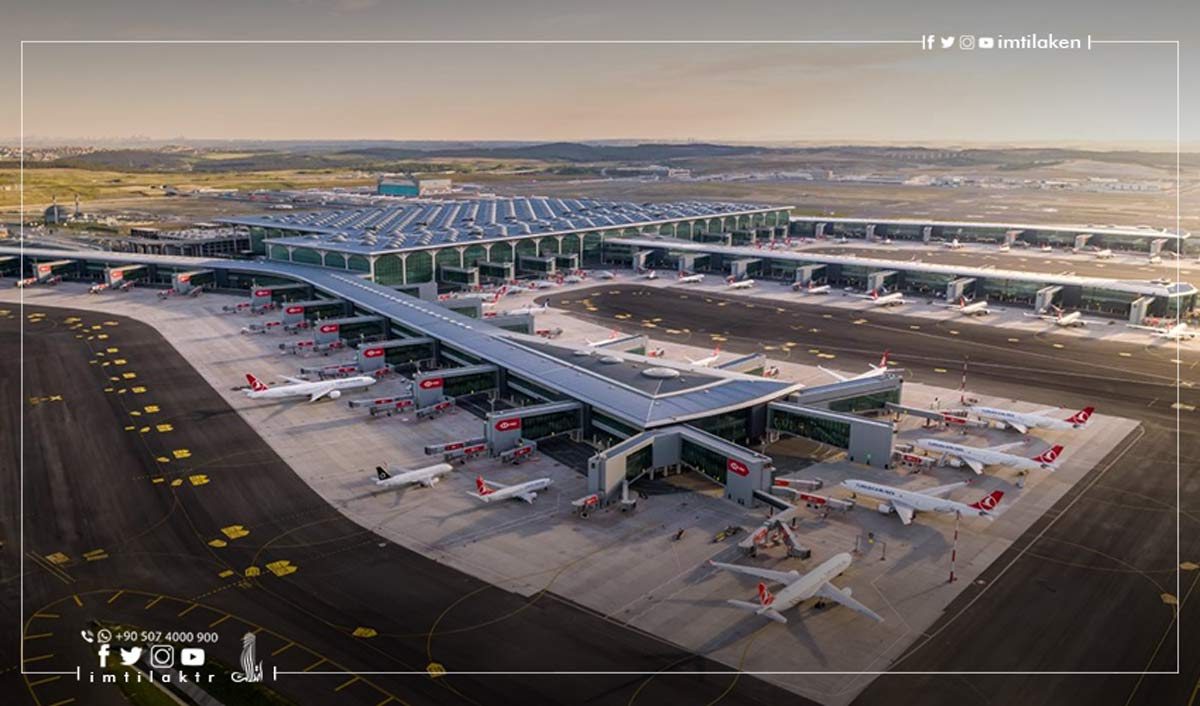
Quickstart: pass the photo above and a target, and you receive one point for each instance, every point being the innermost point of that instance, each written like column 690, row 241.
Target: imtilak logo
column 251, row 671
column 971, row 42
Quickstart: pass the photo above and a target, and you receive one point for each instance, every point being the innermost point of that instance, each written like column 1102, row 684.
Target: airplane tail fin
column 1049, row 456
column 481, row 486
column 1082, row 416
column 765, row 597
column 988, row 502
column 382, row 473
column 255, row 384
column 884, row 359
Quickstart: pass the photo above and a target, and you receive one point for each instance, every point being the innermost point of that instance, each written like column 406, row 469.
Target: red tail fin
column 1082, row 416
column 765, row 597
column 481, row 486
column 1049, row 455
column 255, row 384
column 989, row 502
column 883, row 360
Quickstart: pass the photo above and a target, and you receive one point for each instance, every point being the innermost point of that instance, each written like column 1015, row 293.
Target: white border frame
column 552, row 42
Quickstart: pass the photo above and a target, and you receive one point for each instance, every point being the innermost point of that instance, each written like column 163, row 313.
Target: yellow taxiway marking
column 115, row 596
column 39, row 658
column 939, row 370
column 953, row 332
column 46, row 680
column 198, row 479
column 220, row 620
column 48, row 616
column 78, row 602
column 283, row 649
column 386, row 701
column 364, row 632
column 1189, row 566
column 1169, row 599
column 1014, row 340
column 283, row 567
column 1125, row 354
column 181, row 453
column 57, row 558
column 1184, row 407
column 914, row 327
column 346, row 683
column 152, row 603
column 39, row 636
column 64, row 702
column 235, row 531
column 1058, row 345
column 435, row 670
column 187, row 610
column 164, row 428
column 314, row 665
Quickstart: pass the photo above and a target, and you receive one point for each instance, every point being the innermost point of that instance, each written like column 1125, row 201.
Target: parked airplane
column 907, row 503
column 1178, row 332
column 954, row 245
column 531, row 309
column 976, row 457
column 1074, row 318
column 31, row 281
column 652, row 274
column 798, row 588
column 1005, row 247
column 428, row 476
column 891, row 299
column 709, row 360
column 811, row 288
column 874, row 372
column 606, row 274
column 969, row 308
column 305, row 388
column 1024, row 421
column 526, row 491
column 612, row 336
column 690, row 279
column 740, row 283
column 1047, row 248
column 1105, row 254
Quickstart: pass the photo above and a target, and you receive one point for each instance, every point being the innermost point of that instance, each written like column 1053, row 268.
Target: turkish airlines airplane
column 1178, row 332
column 690, row 279
column 606, row 274
column 967, row 308
column 976, row 457
column 305, row 388
column 527, row 491
column 1105, row 254
column 1024, row 421
column 652, row 274
column 705, row 362
column 740, row 283
column 874, row 372
column 811, row 288
column 893, row 299
column 798, row 588
column 907, row 503
column 954, row 245
column 428, row 476
column 531, row 309
column 1074, row 318
column 612, row 336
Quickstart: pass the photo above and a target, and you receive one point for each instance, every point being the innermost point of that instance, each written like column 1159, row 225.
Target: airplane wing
column 1018, row 426
column 942, row 490
column 837, row 376
column 784, row 577
column 294, row 381
column 838, row 595
column 528, row 497
column 321, row 391
column 1006, row 447
column 904, row 512
column 974, row 465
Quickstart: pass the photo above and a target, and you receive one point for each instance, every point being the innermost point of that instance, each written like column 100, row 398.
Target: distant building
column 399, row 185
column 56, row 214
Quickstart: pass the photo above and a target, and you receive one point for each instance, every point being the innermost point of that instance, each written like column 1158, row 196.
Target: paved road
column 1083, row 588
column 152, row 499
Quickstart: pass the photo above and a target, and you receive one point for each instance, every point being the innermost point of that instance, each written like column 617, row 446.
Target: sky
column 1113, row 95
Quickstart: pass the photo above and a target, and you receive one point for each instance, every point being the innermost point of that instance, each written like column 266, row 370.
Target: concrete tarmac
column 150, row 503
column 1095, row 585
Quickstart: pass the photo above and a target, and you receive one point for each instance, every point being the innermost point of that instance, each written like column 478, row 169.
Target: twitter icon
column 130, row 656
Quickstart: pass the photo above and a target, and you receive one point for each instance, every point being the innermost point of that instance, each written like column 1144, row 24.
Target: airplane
column 612, row 336
column 1047, row 248
column 690, row 279
column 526, row 491
column 606, row 274
column 31, row 281
column 651, row 274
column 892, row 299
column 428, row 476
column 740, row 283
column 907, row 503
column 969, row 308
column 573, row 279
column 1005, row 247
column 1024, row 421
column 531, row 309
column 1178, row 332
column 1105, row 254
column 1074, row 318
column 543, row 284
column 812, row 288
column 874, row 372
column 709, row 360
column 798, row 588
column 976, row 457
column 305, row 388
column 954, row 245
column 486, row 296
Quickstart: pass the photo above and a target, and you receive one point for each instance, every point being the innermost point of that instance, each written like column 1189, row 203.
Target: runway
column 1092, row 585
column 149, row 502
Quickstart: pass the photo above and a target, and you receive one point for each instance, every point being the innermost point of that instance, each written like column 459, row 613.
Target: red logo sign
column 508, row 424
column 372, row 352
column 329, row 328
column 735, row 466
column 295, row 310
column 116, row 275
column 523, row 451
column 477, row 448
column 43, row 269
column 453, row 447
column 431, row 383
column 262, row 292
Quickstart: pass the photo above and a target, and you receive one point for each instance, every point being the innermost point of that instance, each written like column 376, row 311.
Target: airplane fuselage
column 987, row 457
column 307, row 389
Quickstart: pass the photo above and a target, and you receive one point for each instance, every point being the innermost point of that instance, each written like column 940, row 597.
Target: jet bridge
column 1011, row 236
column 9, row 264
column 296, row 313
column 959, row 287
column 506, row 429
column 1138, row 309
column 1045, row 298
column 435, row 385
column 877, row 280
column 752, row 364
column 1156, row 246
column 625, row 343
column 661, row 451
column 1081, row 240
column 742, row 267
column 867, row 441
column 804, row 273
column 186, row 282
column 116, row 276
